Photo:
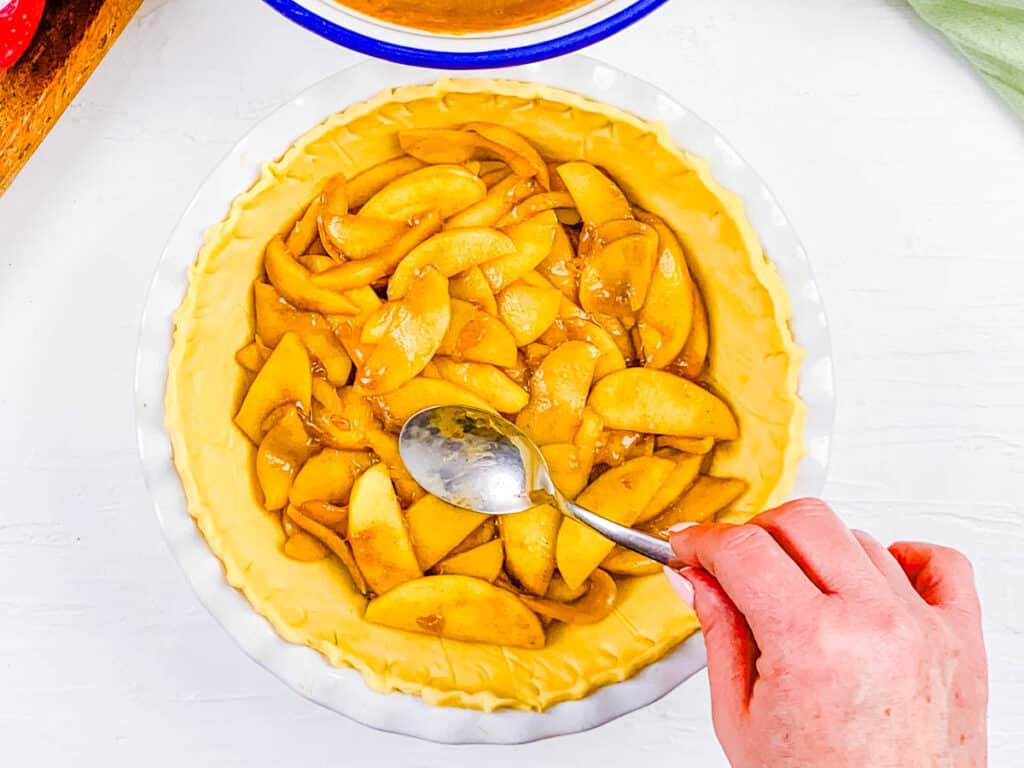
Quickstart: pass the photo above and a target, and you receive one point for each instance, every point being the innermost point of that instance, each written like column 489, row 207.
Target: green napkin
column 988, row 32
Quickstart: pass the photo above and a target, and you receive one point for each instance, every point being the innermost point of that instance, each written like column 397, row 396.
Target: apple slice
column 304, row 547
column 533, row 242
column 486, row 381
column 535, row 279
column 620, row 494
column 596, row 603
column 610, row 357
column 275, row 317
column 460, row 608
column 531, row 206
column 359, row 274
column 562, row 266
column 570, row 464
column 617, row 276
column 516, row 151
column 365, row 185
column 593, row 237
column 597, row 198
column 341, row 417
column 645, row 400
column 378, row 534
column 445, row 188
column 385, row 445
column 377, row 325
column 619, row 334
column 398, row 405
column 667, row 314
column 529, row 539
column 483, row 562
column 683, row 475
column 471, row 285
column 281, row 453
column 487, row 531
column 558, row 392
column 304, row 231
column 706, row 498
column 479, row 141
column 333, row 516
column 436, row 528
column 495, row 175
column 528, row 310
column 496, row 204
column 568, row 472
column 534, row 354
column 568, row 309
column 334, row 542
column 333, row 197
column 451, row 252
column 420, row 324
column 692, row 359
column 477, row 336
column 698, row 445
column 316, row 262
column 623, row 562
column 284, row 378
column 358, row 237
column 558, row 590
column 253, row 355
column 356, row 413
column 295, row 283
column 328, row 476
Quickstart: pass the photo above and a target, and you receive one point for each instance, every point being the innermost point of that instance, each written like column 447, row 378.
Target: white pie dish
column 306, row 671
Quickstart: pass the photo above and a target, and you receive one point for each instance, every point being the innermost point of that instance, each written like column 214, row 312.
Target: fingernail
column 680, row 527
column 682, row 587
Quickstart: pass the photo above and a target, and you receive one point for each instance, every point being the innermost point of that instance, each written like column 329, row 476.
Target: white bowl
column 305, row 670
column 565, row 33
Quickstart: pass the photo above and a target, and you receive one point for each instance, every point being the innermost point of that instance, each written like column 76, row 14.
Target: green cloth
column 990, row 33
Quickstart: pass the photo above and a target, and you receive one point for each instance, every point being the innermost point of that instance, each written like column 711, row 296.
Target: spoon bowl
column 475, row 459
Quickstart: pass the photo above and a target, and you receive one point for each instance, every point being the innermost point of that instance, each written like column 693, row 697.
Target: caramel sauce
column 462, row 16
column 432, row 623
column 617, row 446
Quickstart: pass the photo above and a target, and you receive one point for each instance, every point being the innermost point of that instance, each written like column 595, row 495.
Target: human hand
column 825, row 650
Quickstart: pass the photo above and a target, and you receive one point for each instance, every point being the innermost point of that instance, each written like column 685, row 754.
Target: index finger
column 764, row 582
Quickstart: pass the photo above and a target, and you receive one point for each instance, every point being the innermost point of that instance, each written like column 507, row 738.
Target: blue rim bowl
column 500, row 56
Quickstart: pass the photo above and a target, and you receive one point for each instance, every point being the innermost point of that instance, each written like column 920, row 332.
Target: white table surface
column 902, row 173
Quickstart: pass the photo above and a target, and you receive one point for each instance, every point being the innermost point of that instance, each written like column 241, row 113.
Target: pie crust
column 754, row 363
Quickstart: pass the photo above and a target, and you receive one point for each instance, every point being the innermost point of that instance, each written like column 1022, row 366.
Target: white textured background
column 902, row 173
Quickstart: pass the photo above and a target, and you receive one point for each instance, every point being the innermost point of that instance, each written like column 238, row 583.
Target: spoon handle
column 658, row 550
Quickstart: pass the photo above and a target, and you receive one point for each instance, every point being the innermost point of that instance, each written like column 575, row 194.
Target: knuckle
column 742, row 538
column 801, row 509
column 953, row 561
column 865, row 538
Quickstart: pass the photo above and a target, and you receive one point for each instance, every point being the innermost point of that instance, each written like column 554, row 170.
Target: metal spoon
column 477, row 460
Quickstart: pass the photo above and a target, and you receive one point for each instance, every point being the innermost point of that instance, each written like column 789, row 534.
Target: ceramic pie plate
column 342, row 689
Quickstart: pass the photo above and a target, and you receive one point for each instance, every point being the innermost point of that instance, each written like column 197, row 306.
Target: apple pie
column 506, row 246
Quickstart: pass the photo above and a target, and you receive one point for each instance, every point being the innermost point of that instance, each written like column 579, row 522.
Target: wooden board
column 72, row 39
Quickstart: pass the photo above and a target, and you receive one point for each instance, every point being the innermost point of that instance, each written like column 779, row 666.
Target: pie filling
column 504, row 246
column 463, row 16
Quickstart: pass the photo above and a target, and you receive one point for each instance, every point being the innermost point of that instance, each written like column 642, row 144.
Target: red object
column 19, row 20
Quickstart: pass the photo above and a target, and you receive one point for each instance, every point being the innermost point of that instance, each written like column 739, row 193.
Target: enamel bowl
column 570, row 31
